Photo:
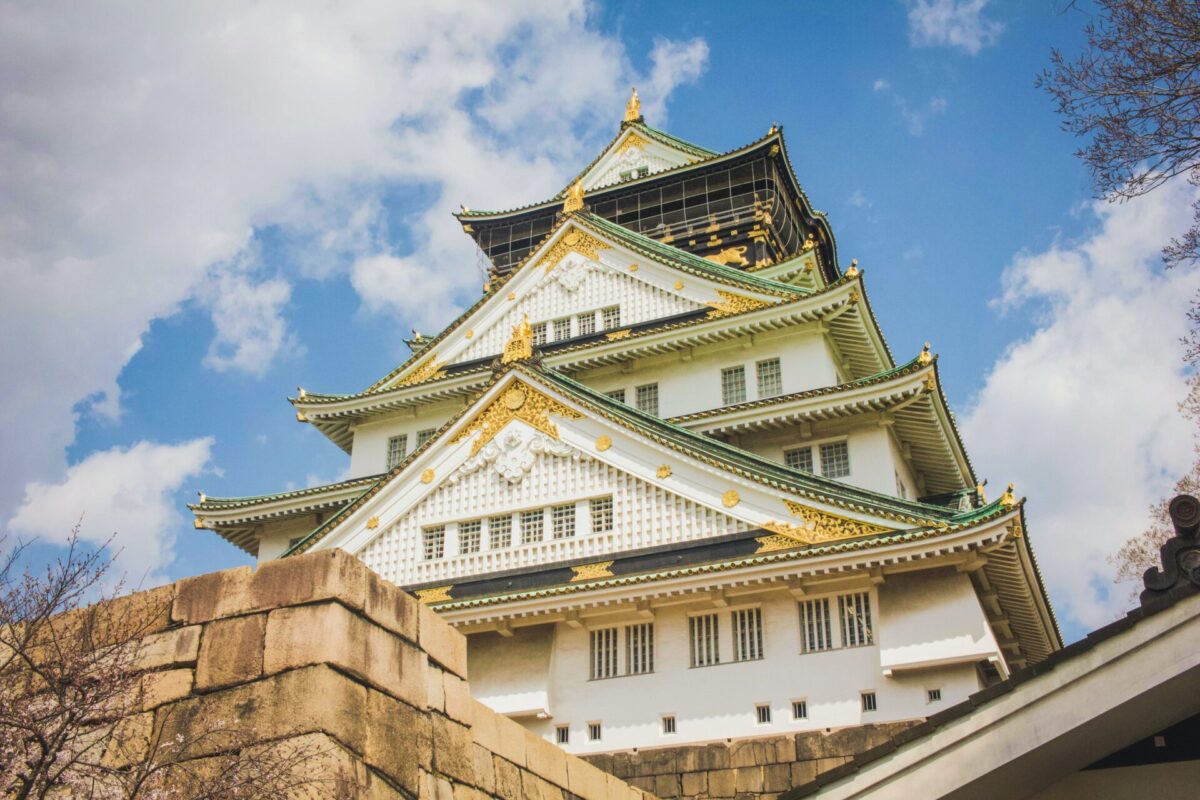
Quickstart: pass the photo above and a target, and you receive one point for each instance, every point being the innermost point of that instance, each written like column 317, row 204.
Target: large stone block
column 666, row 786
column 749, row 779
column 459, row 703
column 722, row 783
column 441, row 642
column 694, row 784
column 169, row 648
column 208, row 597
column 585, row 780
column 231, row 652
column 331, row 633
column 548, row 760
column 513, row 740
column 165, row 686
column 452, row 749
column 485, row 772
column 777, row 777
column 399, row 740
column 534, row 787
column 508, row 779
column 659, row 761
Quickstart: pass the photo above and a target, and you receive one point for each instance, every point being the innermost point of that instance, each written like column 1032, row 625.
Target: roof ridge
column 286, row 495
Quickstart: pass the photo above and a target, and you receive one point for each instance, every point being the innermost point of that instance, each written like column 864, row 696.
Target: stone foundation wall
column 746, row 769
column 318, row 646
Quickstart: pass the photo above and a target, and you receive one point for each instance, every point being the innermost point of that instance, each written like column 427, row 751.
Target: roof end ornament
column 1180, row 570
column 520, row 345
column 574, row 199
column 633, row 108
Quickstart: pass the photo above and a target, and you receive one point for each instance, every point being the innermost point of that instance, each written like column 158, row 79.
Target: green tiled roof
column 229, row 503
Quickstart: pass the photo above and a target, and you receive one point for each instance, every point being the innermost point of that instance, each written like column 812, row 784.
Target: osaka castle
column 667, row 475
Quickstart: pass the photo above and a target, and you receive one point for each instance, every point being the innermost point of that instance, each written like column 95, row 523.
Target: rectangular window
column 704, row 646
column 562, row 520
column 587, row 323
column 616, row 394
column 562, row 734
column 611, row 317
column 602, row 515
column 500, row 532
column 434, row 540
column 770, row 378
column 397, row 450
column 647, row 398
column 901, row 492
column 539, row 333
column 469, row 535
column 934, row 695
column 533, row 525
column 603, row 651
column 799, row 458
column 668, row 723
column 815, row 633
column 868, row 701
column 593, row 731
column 855, row 613
column 747, row 634
column 639, row 648
column 763, row 713
column 425, row 435
column 733, row 385
column 562, row 329
column 835, row 459
column 643, row 172
column 799, row 709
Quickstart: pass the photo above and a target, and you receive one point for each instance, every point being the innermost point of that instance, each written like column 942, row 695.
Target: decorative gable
column 633, row 155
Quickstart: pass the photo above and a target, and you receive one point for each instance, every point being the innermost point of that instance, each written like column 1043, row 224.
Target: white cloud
column 1082, row 413
column 951, row 23
column 881, row 85
column 915, row 117
column 858, row 199
column 141, row 145
column 123, row 493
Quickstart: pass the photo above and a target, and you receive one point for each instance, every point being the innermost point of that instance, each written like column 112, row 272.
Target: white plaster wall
column 512, row 673
column 368, row 455
column 932, row 617
column 718, row 702
column 873, row 460
column 276, row 536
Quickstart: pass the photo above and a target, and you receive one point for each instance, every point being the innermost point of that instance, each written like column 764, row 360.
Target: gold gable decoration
column 573, row 241
column 520, row 345
column 587, row 572
column 429, row 371
column 519, row 401
column 731, row 303
column 439, row 594
column 574, row 201
column 817, row 527
column 632, row 142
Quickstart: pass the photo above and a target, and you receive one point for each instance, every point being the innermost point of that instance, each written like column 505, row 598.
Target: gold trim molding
column 632, row 142
column 821, row 526
column 519, row 401
column 731, row 303
column 573, row 241
column 438, row 594
column 428, row 371
column 587, row 572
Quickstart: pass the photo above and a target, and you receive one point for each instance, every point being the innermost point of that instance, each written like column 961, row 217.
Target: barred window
column 933, row 695
column 469, row 535
column 647, row 398
column 397, row 449
column 594, row 731
column 533, row 525
column 434, row 540
column 815, row 632
column 835, row 459
column 668, row 723
column 603, row 654
column 868, row 701
column 762, row 713
column 500, row 532
column 855, row 612
column 733, row 385
column 747, row 634
column 602, row 515
column 539, row 333
column 425, row 435
column 562, row 519
column 639, row 648
column 562, row 734
column 704, row 632
column 611, row 317
column 799, row 709
column 587, row 323
column 616, row 394
column 770, row 377
column 562, row 329
column 799, row 458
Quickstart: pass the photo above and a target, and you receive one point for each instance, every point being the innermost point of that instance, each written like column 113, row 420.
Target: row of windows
column 834, row 459
column 397, row 446
column 763, row 713
column 768, row 374
column 584, row 324
column 819, row 630
column 645, row 397
column 530, row 525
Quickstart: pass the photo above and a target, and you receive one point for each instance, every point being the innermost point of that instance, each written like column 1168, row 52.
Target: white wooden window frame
column 733, row 385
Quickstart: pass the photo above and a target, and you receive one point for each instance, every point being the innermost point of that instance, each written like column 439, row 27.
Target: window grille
column 434, row 542
column 668, row 724
column 747, row 634
column 868, row 701
column 397, row 450
column 835, row 460
column 539, row 333
column 770, row 378
column 469, row 535
column 934, row 695
column 855, row 612
column 616, row 394
column 763, row 713
column 533, row 525
column 611, row 317
column 562, row 734
column 705, row 649
column 594, row 731
column 603, row 654
column 500, row 532
column 647, row 398
column 799, row 709
column 799, row 458
column 562, row 329
column 425, row 435
column 562, row 519
column 602, row 515
column 587, row 323
column 815, row 633
column 639, row 648
column 733, row 385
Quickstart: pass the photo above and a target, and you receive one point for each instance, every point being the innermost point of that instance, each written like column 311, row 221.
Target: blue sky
column 201, row 228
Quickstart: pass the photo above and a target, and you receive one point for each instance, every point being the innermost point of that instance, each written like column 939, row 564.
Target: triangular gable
column 633, row 154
